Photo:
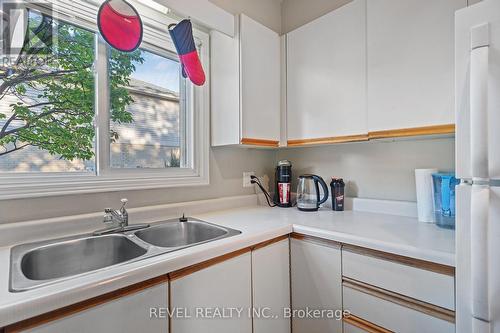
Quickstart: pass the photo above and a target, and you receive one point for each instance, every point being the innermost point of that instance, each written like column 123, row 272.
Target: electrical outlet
column 246, row 178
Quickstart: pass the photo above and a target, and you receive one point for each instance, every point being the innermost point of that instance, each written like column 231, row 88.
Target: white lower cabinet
column 209, row 299
column 127, row 314
column 271, row 288
column 300, row 284
column 316, row 285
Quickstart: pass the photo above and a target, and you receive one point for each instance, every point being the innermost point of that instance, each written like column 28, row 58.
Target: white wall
column 299, row 12
column 267, row 12
column 376, row 169
column 226, row 169
column 295, row 13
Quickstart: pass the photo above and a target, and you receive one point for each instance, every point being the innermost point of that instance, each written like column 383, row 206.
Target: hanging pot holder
column 120, row 25
column 182, row 36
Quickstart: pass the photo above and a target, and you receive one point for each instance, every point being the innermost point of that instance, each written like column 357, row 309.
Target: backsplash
column 377, row 169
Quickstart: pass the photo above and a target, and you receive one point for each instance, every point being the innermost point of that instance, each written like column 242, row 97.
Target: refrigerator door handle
column 479, row 100
column 480, row 201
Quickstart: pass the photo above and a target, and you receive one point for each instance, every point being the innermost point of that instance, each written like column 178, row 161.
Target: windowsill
column 56, row 186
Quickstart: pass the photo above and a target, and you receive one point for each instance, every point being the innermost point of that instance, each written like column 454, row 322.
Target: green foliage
column 175, row 161
column 57, row 98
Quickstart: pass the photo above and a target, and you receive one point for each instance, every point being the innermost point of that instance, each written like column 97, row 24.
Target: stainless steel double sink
column 42, row 263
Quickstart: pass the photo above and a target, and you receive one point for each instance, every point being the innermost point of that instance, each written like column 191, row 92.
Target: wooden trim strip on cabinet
column 269, row 242
column 205, row 264
column 329, row 140
column 84, row 305
column 415, row 131
column 417, row 263
column 408, row 302
column 365, row 325
column 318, row 240
column 259, row 142
column 386, row 134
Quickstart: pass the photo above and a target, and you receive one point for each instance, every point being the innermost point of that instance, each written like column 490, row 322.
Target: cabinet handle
column 479, row 68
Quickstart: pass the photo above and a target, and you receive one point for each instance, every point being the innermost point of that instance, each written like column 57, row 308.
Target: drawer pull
column 429, row 309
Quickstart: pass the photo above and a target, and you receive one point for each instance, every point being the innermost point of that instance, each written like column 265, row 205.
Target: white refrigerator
column 477, row 105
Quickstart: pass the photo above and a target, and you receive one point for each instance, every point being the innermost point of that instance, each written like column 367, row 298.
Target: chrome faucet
column 121, row 216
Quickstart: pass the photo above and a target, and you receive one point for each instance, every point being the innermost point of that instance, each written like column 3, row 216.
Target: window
column 47, row 101
column 84, row 117
column 150, row 131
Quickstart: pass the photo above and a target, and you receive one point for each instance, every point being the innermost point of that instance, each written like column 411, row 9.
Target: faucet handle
column 124, row 202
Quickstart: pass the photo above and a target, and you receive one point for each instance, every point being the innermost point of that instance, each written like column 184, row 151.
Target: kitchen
column 135, row 162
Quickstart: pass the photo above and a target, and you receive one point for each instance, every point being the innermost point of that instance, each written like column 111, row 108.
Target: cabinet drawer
column 428, row 282
column 394, row 315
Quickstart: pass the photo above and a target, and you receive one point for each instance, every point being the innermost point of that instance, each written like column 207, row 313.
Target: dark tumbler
column 282, row 194
column 337, row 185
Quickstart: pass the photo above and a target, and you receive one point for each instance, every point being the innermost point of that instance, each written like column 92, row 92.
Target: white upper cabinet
column 224, row 89
column 410, row 63
column 259, row 80
column 245, row 85
column 326, row 76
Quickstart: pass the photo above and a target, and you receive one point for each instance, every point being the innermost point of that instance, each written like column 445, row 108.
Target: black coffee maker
column 283, row 176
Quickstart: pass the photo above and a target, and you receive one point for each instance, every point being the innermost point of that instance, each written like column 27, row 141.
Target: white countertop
column 394, row 234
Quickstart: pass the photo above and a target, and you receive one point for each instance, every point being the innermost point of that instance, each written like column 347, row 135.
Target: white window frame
column 106, row 179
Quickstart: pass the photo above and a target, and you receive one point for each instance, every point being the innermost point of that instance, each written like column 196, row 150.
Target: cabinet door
column 410, row 63
column 326, row 75
column 316, row 284
column 212, row 298
column 128, row 314
column 259, row 81
column 271, row 287
column 224, row 89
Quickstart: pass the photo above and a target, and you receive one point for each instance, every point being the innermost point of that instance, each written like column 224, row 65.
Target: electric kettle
column 308, row 195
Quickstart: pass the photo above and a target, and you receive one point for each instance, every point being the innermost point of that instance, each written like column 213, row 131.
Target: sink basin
column 43, row 263
column 78, row 256
column 178, row 234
